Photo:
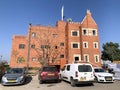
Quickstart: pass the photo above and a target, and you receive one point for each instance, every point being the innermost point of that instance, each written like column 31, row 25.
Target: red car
column 48, row 73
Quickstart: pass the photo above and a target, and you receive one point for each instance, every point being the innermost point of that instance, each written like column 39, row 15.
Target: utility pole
column 29, row 39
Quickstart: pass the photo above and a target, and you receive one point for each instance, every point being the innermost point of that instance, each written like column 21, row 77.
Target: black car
column 14, row 76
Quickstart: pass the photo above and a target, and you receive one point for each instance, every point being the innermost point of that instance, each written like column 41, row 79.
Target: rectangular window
column 95, row 44
column 68, row 67
column 32, row 46
column 33, row 59
column 86, row 57
column 33, row 35
column 96, row 58
column 75, row 45
column 74, row 33
column 85, row 44
column 84, row 32
column 77, row 57
column 61, row 44
column 62, row 56
column 21, row 46
column 54, row 35
column 94, row 32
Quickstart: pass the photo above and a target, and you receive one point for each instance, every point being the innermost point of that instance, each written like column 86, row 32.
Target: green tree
column 110, row 51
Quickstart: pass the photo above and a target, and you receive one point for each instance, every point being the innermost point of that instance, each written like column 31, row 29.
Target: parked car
column 102, row 76
column 77, row 73
column 48, row 73
column 2, row 71
column 14, row 76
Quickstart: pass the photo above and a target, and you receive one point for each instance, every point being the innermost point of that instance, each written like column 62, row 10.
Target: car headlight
column 21, row 77
column 100, row 76
column 4, row 79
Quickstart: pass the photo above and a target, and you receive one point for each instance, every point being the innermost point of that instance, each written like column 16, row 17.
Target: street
column 33, row 84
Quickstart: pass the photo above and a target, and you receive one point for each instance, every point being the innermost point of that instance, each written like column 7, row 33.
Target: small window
column 62, row 56
column 61, row 44
column 21, row 46
column 96, row 58
column 77, row 57
column 33, row 35
column 84, row 32
column 94, row 32
column 75, row 45
column 54, row 35
column 34, row 59
column 86, row 58
column 95, row 44
column 85, row 44
column 75, row 33
column 33, row 46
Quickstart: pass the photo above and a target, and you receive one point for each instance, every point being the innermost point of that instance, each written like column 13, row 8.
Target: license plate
column 11, row 80
column 50, row 74
column 82, row 78
column 108, row 78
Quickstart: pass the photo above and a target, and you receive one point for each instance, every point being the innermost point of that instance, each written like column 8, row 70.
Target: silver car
column 14, row 76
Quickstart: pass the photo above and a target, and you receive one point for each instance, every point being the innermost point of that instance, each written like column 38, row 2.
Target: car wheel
column 40, row 81
column 72, row 82
column 96, row 79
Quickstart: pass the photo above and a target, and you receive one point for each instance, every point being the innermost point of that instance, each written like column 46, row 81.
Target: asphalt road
column 33, row 84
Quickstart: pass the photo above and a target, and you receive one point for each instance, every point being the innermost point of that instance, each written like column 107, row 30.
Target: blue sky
column 15, row 15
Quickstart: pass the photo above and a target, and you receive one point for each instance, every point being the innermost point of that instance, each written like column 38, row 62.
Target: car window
column 15, row 70
column 49, row 69
column 99, row 70
column 84, row 68
column 68, row 67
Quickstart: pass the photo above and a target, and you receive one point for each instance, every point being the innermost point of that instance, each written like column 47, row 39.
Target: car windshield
column 49, row 69
column 84, row 68
column 99, row 70
column 15, row 70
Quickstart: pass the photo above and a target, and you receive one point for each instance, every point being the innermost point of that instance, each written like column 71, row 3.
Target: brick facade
column 74, row 41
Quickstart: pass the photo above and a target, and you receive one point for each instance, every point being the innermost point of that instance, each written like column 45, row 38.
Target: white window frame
column 84, row 44
column 77, row 55
column 87, row 57
column 96, row 45
column 89, row 31
column 73, row 31
column 97, row 57
column 75, row 43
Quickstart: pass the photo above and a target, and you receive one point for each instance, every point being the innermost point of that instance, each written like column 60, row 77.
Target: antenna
column 62, row 13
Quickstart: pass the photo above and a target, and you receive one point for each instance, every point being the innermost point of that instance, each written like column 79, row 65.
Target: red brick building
column 72, row 41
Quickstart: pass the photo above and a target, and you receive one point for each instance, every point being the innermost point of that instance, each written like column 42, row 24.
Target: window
column 54, row 35
column 85, row 44
column 94, row 32
column 84, row 32
column 33, row 35
column 75, row 45
column 95, row 44
column 77, row 57
column 96, row 58
column 21, row 46
column 32, row 46
column 68, row 67
column 61, row 44
column 62, row 56
column 45, row 46
column 74, row 33
column 86, row 57
column 33, row 59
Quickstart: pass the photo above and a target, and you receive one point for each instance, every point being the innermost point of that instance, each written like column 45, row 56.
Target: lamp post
column 29, row 39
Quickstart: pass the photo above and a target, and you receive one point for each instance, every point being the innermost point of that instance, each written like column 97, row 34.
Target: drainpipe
column 29, row 39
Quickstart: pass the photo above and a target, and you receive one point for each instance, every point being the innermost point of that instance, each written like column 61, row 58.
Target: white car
column 102, row 76
column 77, row 73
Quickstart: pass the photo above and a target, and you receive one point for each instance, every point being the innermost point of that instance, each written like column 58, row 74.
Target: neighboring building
column 75, row 41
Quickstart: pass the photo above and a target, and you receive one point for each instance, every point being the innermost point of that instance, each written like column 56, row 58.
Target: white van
column 77, row 73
